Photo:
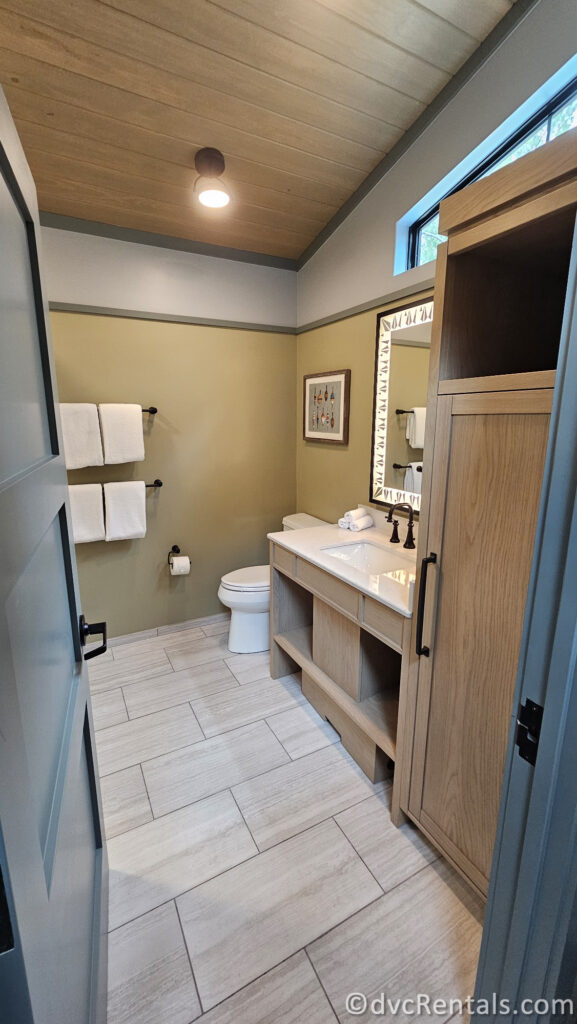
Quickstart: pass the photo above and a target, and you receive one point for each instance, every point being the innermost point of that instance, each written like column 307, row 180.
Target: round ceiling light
column 209, row 189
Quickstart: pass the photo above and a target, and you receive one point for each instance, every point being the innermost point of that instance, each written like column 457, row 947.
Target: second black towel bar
column 152, row 410
column 397, row 465
column 157, row 483
column 403, row 412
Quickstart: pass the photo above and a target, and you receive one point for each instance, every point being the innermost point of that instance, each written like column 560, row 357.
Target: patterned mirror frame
column 404, row 316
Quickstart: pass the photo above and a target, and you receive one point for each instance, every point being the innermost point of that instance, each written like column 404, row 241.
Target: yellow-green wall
column 223, row 444
column 331, row 478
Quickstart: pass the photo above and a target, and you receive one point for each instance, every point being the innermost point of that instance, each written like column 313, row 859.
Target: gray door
column 51, row 857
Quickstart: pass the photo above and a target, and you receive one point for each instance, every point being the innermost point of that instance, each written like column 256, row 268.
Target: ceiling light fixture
column 208, row 188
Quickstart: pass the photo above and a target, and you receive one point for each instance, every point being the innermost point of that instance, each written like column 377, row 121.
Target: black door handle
column 92, row 629
column 429, row 560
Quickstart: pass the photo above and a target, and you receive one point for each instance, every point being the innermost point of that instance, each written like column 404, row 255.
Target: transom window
column 557, row 117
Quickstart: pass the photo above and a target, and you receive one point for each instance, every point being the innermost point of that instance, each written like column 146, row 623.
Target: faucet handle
column 410, row 541
column 395, row 533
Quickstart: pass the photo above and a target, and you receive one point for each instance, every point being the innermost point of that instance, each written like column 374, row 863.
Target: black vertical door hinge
column 529, row 718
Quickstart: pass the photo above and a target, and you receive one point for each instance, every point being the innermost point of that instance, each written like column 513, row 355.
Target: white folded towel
column 361, row 524
column 344, row 523
column 415, row 432
column 122, row 433
column 80, row 435
column 354, row 513
column 87, row 512
column 125, row 507
column 413, row 477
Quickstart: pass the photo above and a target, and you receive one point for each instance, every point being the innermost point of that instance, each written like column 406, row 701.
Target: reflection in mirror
column 401, row 376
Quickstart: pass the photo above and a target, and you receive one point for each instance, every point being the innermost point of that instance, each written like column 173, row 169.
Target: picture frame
column 326, row 407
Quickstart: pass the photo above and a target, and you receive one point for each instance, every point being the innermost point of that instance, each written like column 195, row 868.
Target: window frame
column 544, row 114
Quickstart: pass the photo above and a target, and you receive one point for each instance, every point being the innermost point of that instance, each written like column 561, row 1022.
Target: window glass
column 564, row 119
column 426, row 237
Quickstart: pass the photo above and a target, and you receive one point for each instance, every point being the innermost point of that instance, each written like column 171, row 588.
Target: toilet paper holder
column 175, row 550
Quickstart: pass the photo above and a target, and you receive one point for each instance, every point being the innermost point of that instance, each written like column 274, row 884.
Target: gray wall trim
column 365, row 307
column 139, row 314
column 221, row 252
column 506, row 26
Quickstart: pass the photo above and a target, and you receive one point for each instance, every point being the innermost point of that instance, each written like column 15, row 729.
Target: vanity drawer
column 329, row 587
column 283, row 559
column 387, row 623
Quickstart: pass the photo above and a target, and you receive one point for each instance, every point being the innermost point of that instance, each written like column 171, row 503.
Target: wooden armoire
column 499, row 302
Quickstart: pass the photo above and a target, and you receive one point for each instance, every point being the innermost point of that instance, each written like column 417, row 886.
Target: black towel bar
column 152, row 410
column 157, row 483
column 403, row 412
column 397, row 465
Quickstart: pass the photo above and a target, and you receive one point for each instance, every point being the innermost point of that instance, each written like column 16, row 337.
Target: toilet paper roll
column 180, row 565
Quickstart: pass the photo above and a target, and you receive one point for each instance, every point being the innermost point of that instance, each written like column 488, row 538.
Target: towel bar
column 397, row 465
column 403, row 412
column 157, row 483
column 152, row 410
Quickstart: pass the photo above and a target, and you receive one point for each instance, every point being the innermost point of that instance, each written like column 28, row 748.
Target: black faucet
column 410, row 541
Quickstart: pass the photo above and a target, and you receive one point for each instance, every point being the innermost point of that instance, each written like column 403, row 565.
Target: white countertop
column 393, row 587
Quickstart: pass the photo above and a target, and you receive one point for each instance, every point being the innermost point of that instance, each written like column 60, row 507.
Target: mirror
column 401, row 379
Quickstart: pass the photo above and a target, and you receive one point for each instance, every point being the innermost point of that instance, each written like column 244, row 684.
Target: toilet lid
column 254, row 577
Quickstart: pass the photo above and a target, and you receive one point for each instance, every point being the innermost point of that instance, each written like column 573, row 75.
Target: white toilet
column 247, row 593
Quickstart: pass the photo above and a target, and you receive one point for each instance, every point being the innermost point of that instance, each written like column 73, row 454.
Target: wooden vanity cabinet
column 499, row 299
column 352, row 653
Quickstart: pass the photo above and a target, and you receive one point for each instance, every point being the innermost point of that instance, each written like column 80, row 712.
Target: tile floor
column 255, row 876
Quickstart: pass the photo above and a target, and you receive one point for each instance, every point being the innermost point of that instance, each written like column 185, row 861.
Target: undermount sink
column 373, row 560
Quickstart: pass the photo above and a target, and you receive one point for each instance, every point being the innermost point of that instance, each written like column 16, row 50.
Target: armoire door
column 51, row 857
column 488, row 464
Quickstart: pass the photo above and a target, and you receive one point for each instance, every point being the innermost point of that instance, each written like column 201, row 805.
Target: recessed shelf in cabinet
column 376, row 716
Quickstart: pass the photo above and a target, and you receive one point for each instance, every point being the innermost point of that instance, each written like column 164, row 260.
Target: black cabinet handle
column 92, row 629
column 429, row 560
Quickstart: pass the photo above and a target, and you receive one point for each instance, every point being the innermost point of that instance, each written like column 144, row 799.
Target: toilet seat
column 253, row 579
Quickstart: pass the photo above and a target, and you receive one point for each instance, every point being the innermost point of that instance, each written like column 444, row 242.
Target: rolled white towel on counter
column 80, row 435
column 361, row 524
column 125, row 508
column 344, row 523
column 354, row 513
column 122, row 433
column 87, row 512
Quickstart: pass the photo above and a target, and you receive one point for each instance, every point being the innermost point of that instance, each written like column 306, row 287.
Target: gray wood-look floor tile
column 250, row 667
column 128, row 670
column 157, row 643
column 249, row 919
column 197, row 771
column 152, row 695
column 392, row 854
column 300, row 794
column 217, row 628
column 156, row 862
column 224, row 711
column 125, row 802
column 423, row 936
column 197, row 652
column 108, row 708
column 289, row 994
column 123, row 745
column 207, row 620
column 149, row 975
column 302, row 731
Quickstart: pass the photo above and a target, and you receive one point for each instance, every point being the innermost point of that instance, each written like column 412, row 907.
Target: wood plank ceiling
column 112, row 98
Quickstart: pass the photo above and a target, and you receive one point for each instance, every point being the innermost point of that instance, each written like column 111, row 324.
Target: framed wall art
column 326, row 401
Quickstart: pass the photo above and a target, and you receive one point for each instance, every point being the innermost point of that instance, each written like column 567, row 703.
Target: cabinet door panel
column 491, row 482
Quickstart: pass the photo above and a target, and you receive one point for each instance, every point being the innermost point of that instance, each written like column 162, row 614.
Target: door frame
column 529, row 922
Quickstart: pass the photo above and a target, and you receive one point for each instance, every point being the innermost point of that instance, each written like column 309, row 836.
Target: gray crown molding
column 221, row 252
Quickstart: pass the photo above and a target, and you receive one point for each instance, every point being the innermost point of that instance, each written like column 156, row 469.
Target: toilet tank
column 301, row 521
